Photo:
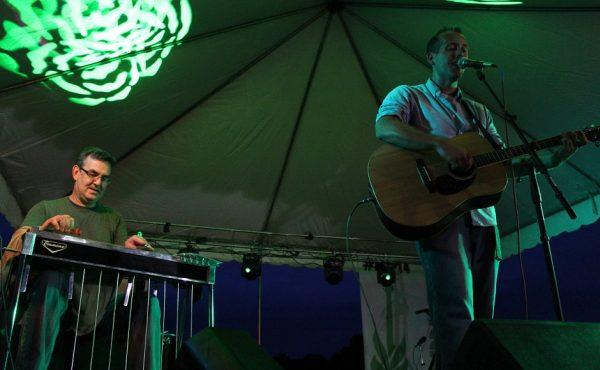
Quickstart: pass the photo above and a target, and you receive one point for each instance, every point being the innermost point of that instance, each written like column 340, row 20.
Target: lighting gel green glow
column 54, row 36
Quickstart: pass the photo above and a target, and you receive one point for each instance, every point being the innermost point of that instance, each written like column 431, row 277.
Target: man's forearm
column 393, row 131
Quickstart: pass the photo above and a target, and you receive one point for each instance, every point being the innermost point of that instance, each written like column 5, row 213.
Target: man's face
column 443, row 62
column 91, row 180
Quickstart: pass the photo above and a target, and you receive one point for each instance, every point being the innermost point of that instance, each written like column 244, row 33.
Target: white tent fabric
column 8, row 204
column 262, row 117
column 395, row 320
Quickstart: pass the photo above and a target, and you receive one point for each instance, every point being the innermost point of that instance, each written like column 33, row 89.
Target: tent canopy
column 258, row 117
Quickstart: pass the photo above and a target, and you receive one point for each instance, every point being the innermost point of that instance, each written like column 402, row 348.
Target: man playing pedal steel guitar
column 46, row 299
column 460, row 262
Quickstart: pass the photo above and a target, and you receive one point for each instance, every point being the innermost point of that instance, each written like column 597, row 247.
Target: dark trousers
column 47, row 305
column 461, row 270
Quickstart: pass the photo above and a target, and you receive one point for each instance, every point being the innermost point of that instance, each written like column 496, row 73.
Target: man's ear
column 429, row 57
column 75, row 171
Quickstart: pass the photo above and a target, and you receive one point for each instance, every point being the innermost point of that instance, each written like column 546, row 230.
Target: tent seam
column 297, row 123
column 360, row 61
column 229, row 80
column 159, row 46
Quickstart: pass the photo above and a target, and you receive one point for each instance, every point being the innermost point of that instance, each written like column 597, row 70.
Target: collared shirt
column 426, row 107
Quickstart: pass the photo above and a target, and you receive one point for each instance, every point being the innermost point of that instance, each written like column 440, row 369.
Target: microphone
column 463, row 63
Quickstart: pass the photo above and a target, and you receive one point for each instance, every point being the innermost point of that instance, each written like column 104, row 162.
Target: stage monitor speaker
column 224, row 349
column 529, row 345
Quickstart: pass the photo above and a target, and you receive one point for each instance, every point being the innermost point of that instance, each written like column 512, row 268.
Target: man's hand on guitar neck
column 458, row 157
column 570, row 142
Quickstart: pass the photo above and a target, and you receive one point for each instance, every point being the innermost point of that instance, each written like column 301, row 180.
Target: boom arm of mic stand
column 536, row 159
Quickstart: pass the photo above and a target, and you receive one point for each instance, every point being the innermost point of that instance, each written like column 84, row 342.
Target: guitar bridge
column 424, row 176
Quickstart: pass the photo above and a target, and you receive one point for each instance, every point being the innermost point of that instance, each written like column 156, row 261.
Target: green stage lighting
column 386, row 273
column 251, row 266
column 95, row 50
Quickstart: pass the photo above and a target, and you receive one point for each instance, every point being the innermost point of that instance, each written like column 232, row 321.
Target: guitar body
column 418, row 196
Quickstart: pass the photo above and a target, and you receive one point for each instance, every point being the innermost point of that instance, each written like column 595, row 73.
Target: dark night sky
column 303, row 314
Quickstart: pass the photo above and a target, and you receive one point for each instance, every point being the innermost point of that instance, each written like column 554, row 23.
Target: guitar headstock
column 593, row 134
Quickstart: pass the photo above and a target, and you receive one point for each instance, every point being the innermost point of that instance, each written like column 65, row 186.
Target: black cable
column 386, row 366
column 516, row 208
column 413, row 357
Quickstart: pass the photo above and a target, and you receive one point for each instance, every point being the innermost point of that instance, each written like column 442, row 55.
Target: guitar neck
column 515, row 151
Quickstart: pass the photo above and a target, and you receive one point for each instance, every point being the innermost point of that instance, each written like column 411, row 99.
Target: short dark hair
column 433, row 46
column 95, row 153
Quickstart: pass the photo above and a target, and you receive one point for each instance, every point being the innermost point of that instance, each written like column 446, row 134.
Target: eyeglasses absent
column 93, row 176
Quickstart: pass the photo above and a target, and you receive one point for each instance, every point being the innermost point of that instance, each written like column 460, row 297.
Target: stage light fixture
column 386, row 273
column 251, row 266
column 333, row 268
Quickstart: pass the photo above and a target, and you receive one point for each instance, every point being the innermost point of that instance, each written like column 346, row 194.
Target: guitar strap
column 468, row 104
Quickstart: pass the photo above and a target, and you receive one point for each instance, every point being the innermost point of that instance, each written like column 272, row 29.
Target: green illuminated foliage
column 96, row 50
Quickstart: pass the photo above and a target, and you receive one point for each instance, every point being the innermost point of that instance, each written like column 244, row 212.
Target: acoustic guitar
column 417, row 194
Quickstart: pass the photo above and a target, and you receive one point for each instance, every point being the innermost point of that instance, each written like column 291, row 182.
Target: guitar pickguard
column 453, row 183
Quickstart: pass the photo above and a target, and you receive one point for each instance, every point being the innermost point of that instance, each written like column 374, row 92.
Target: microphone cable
column 515, row 206
column 378, row 341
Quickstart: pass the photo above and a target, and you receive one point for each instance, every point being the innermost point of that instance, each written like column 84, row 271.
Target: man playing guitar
column 460, row 262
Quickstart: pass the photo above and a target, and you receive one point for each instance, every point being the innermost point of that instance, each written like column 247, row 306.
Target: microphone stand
column 536, row 196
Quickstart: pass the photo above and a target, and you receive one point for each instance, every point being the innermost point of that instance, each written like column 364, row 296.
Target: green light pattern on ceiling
column 57, row 36
column 486, row 2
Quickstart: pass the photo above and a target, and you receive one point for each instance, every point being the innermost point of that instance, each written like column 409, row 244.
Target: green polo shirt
column 99, row 223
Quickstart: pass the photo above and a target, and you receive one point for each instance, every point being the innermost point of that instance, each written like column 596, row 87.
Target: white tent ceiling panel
column 211, row 15
column 326, row 173
column 8, row 204
column 388, row 65
column 444, row 4
column 218, row 165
